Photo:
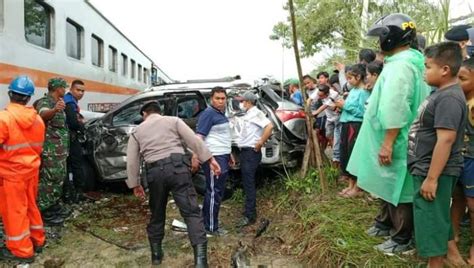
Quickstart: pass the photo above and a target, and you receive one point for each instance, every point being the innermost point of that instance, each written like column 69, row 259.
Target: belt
column 172, row 159
column 159, row 163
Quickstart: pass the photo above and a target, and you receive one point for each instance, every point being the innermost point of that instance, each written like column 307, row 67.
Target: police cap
column 458, row 33
column 149, row 104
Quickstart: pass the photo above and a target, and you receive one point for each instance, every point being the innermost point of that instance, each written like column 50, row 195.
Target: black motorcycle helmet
column 394, row 30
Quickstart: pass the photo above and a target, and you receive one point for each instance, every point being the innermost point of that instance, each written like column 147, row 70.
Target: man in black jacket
column 74, row 183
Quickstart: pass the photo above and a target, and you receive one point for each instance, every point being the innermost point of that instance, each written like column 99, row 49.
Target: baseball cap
column 458, row 33
column 292, row 81
column 247, row 96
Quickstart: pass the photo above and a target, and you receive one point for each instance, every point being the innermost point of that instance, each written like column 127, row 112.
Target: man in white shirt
column 256, row 130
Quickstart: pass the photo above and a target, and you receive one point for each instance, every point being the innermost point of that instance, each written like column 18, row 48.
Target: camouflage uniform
column 55, row 152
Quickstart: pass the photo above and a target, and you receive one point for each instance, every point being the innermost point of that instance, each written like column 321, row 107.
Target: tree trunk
column 314, row 153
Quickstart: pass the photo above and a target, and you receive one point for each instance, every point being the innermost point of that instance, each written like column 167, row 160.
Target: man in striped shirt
column 213, row 127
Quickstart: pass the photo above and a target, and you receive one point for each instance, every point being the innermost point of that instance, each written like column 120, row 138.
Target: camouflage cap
column 57, row 82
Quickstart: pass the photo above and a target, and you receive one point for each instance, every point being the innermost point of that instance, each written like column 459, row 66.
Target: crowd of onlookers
column 401, row 127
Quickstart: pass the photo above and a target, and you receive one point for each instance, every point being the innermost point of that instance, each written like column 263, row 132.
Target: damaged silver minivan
column 108, row 135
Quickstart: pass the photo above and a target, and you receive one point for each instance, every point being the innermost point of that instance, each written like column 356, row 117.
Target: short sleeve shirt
column 253, row 123
column 214, row 126
column 443, row 109
column 316, row 102
column 469, row 135
column 331, row 113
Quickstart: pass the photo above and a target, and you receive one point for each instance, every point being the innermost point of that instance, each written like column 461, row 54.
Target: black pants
column 400, row 218
column 166, row 178
column 249, row 162
column 74, row 164
column 349, row 133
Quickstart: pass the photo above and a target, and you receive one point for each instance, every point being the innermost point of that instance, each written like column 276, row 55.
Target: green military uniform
column 55, row 152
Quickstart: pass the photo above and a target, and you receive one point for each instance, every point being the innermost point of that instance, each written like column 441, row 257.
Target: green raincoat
column 393, row 104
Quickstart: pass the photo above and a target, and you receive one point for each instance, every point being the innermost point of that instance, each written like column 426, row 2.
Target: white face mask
column 242, row 106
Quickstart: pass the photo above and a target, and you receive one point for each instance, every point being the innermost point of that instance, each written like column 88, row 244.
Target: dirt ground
column 111, row 233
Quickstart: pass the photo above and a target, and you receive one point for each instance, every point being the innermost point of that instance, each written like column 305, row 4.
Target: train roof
column 124, row 36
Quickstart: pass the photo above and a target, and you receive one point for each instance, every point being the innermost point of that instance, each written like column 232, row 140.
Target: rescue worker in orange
column 21, row 142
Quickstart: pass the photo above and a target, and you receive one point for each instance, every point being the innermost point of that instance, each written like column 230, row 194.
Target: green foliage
column 336, row 24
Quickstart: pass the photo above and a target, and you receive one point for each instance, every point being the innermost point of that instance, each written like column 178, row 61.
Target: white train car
column 73, row 40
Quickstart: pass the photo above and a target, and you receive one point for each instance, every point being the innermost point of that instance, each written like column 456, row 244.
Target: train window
column 1, row 15
column 124, row 64
column 139, row 72
column 97, row 50
column 145, row 75
column 74, row 39
column 132, row 69
column 112, row 59
column 38, row 18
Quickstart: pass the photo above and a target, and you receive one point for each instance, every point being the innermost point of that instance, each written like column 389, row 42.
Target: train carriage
column 73, row 40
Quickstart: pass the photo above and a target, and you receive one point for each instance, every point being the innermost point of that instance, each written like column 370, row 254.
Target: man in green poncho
column 379, row 158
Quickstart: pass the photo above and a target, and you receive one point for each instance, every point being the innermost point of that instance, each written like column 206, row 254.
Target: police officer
column 158, row 140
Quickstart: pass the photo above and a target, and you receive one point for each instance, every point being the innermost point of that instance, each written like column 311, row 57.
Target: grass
column 306, row 227
column 329, row 230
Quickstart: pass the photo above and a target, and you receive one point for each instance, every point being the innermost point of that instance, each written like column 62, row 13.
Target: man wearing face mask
column 256, row 130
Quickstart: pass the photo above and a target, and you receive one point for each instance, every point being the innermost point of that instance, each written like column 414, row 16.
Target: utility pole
column 363, row 23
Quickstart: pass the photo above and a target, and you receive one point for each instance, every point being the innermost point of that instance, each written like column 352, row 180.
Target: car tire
column 90, row 176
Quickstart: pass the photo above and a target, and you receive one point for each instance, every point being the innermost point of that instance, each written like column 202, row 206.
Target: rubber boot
column 200, row 255
column 156, row 253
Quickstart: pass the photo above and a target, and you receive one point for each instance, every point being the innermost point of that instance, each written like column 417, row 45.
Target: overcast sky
column 212, row 38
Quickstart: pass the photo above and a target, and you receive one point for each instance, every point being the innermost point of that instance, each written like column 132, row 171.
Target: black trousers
column 249, row 162
column 177, row 180
column 74, row 164
column 399, row 218
column 349, row 133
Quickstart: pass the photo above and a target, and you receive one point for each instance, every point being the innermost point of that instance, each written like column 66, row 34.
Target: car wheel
column 90, row 177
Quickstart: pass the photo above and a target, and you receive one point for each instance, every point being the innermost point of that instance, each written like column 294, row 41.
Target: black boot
column 156, row 253
column 200, row 255
column 51, row 218
column 6, row 255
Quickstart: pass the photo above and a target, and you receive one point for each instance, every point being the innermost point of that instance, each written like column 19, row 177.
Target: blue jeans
column 215, row 187
column 249, row 162
column 333, row 130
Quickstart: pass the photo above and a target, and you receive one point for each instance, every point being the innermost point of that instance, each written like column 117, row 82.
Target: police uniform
column 159, row 141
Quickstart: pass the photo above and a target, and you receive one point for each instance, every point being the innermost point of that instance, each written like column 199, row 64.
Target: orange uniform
column 21, row 141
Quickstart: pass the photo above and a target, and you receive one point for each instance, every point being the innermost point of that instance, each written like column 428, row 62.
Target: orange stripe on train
column 40, row 78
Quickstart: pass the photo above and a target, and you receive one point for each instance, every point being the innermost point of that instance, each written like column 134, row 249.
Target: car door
column 111, row 152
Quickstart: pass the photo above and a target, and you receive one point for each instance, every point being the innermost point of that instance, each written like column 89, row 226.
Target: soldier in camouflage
column 55, row 152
